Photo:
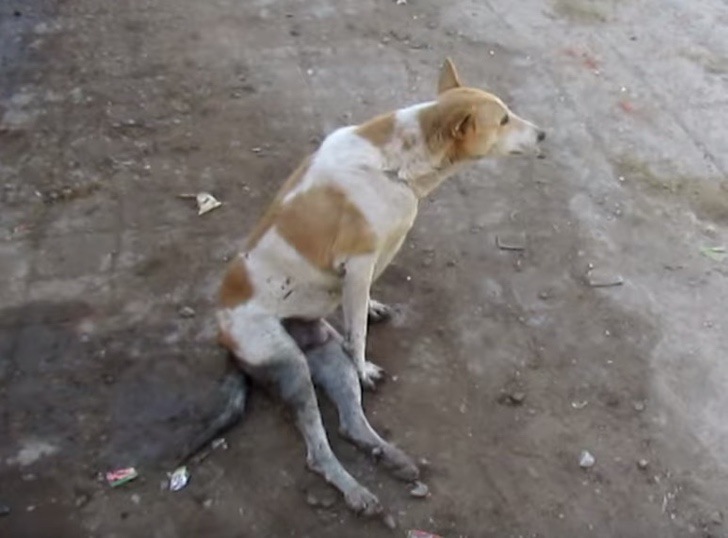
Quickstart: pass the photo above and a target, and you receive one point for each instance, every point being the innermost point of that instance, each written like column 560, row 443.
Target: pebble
column 389, row 522
column 642, row 464
column 312, row 500
column 638, row 406
column 81, row 500
column 187, row 312
column 135, row 498
column 586, row 459
column 4, row 509
column 514, row 241
column 517, row 398
column 716, row 518
column 420, row 490
column 207, row 503
column 598, row 278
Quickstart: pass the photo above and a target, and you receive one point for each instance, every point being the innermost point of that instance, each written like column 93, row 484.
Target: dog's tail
column 234, row 388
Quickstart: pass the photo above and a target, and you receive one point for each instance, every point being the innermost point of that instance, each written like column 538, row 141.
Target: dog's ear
column 462, row 122
column 449, row 78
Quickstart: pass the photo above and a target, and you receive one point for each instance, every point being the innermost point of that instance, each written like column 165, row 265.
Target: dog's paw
column 370, row 374
column 379, row 312
column 362, row 501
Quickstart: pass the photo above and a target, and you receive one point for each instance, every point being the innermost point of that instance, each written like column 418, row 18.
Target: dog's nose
column 541, row 136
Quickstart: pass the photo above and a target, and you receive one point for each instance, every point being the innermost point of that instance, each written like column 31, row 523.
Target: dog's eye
column 505, row 120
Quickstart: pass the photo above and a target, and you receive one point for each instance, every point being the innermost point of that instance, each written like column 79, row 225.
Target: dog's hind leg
column 333, row 371
column 270, row 356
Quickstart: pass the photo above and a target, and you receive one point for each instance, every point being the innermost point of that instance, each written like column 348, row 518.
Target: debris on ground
column 4, row 509
column 626, row 106
column 579, row 404
column 421, row 534
column 179, row 478
column 389, row 521
column 717, row 254
column 638, row 406
column 511, row 241
column 642, row 464
column 420, row 490
column 136, row 498
column 220, row 443
column 716, row 518
column 513, row 398
column 187, row 312
column 121, row 476
column 401, row 2
column 206, row 202
column 207, row 503
column 586, row 459
column 599, row 278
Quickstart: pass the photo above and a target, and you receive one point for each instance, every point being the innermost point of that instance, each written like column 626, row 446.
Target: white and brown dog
column 334, row 226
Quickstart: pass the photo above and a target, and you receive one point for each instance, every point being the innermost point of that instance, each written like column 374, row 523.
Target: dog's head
column 468, row 123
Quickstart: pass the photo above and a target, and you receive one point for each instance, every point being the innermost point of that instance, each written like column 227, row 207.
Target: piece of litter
column 389, row 522
column 627, row 106
column 413, row 533
column 717, row 254
column 179, row 478
column 511, row 241
column 121, row 476
column 219, row 443
column 206, row 202
column 187, row 312
column 598, row 278
column 579, row 405
column 586, row 459
column 420, row 490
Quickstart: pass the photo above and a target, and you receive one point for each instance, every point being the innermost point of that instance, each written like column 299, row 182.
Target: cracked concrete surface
column 108, row 111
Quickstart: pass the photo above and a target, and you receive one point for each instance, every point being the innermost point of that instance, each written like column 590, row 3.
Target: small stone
column 639, row 406
column 312, row 500
column 642, row 464
column 187, row 312
column 716, row 518
column 420, row 490
column 135, row 498
column 389, row 522
column 511, row 241
column 4, row 509
column 327, row 502
column 206, row 504
column 599, row 278
column 30, row 508
column 424, row 463
column 517, row 398
column 586, row 459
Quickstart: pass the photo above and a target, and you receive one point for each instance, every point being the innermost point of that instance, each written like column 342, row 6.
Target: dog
column 332, row 229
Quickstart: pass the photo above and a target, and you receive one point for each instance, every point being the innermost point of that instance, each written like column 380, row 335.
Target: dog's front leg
column 357, row 282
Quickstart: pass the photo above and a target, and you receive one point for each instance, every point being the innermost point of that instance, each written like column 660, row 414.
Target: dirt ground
column 503, row 365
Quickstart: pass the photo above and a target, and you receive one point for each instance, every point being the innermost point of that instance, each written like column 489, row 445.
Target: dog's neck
column 407, row 157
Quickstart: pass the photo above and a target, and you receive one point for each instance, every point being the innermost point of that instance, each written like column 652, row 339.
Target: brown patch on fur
column 269, row 217
column 322, row 224
column 378, row 130
column 236, row 287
